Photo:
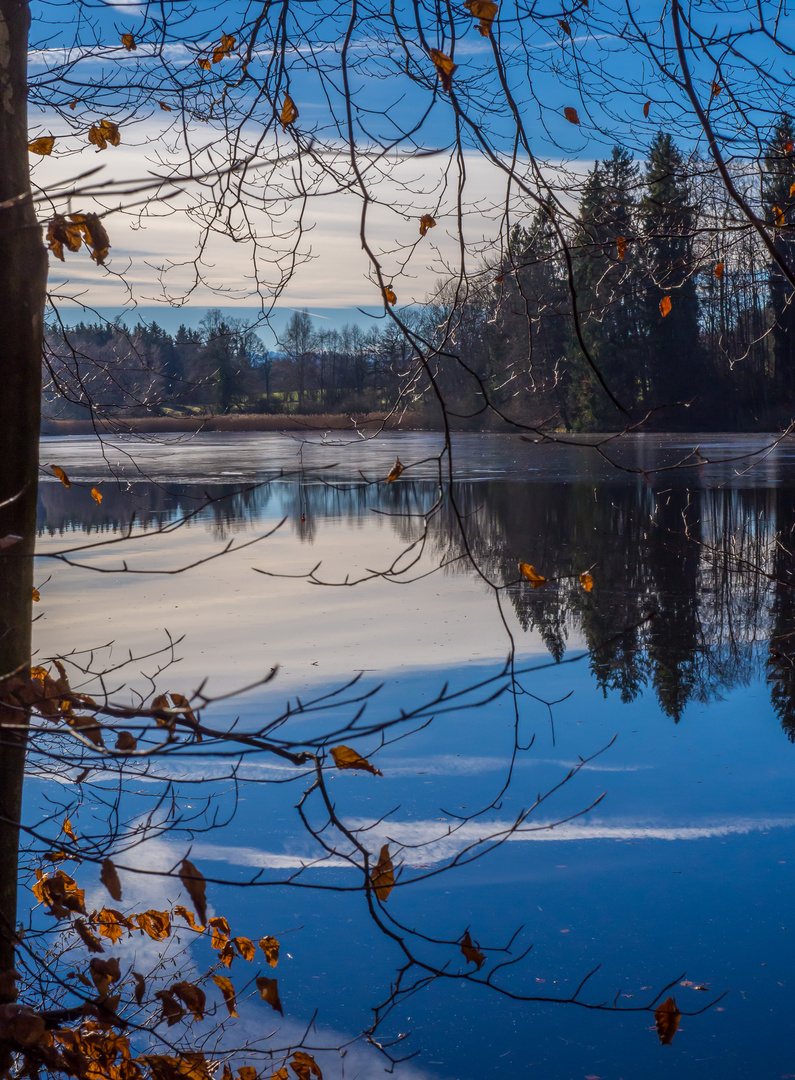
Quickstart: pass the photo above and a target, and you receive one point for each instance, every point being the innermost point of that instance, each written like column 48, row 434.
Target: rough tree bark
column 23, row 280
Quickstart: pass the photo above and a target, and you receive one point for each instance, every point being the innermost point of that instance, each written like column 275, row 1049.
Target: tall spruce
column 673, row 356
column 779, row 206
column 607, row 290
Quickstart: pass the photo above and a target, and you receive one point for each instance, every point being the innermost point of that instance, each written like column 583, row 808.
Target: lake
column 672, row 679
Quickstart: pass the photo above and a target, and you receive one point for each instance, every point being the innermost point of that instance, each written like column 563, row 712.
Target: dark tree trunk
column 23, row 280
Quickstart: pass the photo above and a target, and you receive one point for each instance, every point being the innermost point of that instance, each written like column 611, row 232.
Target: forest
column 684, row 314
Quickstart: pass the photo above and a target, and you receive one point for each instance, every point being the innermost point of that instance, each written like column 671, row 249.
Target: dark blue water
column 678, row 667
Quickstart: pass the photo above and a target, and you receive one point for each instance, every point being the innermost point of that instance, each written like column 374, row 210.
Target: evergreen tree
column 607, row 291
column 779, row 168
column 674, row 367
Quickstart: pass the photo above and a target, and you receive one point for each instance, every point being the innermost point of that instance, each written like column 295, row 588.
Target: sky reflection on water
column 686, row 865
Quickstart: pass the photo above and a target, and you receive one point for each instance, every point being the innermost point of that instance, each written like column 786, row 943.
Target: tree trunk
column 23, row 282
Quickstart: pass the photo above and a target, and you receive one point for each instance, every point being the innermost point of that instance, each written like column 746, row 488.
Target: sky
column 163, row 101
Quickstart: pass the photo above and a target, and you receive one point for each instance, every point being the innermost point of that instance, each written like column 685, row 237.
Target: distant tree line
column 654, row 288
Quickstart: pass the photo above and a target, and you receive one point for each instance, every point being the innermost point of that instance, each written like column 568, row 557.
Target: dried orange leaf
column 382, row 878
column 245, row 947
column 194, row 883
column 304, row 1066
column 716, row 88
column 471, row 951
column 646, row 108
column 164, row 107
column 667, row 1018
column 426, row 222
column 156, row 924
column 529, row 572
column 621, row 245
column 42, row 146
column 445, row 69
column 110, row 879
column 128, row 41
column 96, row 138
column 270, row 946
column 719, row 270
column 204, row 64
column 571, row 115
column 226, row 988
column 289, row 113
column 269, row 991
column 395, row 471
column 792, row 190
column 103, row 973
column 67, row 828
column 111, row 924
column 564, row 26
column 188, row 917
column 346, row 758
column 96, row 495
column 220, row 930
column 665, row 306
column 780, row 215
column 223, row 49
column 485, row 11
column 586, row 581
column 61, row 475
column 389, row 295
column 36, row 596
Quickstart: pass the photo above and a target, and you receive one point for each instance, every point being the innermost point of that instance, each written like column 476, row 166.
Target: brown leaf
column 270, row 946
column 426, row 222
column 96, row 495
column 60, row 893
column 621, row 245
column 564, row 26
column 646, row 108
column 164, row 107
column 780, row 215
column 395, row 471
column 719, row 271
column 126, row 741
column 110, row 879
column 667, row 1018
column 389, row 295
column 140, row 987
column 571, row 115
column 304, row 1065
column 472, row 952
column 103, row 973
column 282, row 1074
column 111, row 924
column 96, row 138
column 485, row 11
column 529, row 572
column 345, row 758
column 92, row 943
column 792, row 190
column 94, row 234
column 715, row 88
column 665, row 306
column 42, row 146
column 247, row 1072
column 586, row 581
column 445, row 68
column 194, row 883
column 382, row 878
column 36, row 596
column 172, row 1010
column 188, row 917
column 156, row 924
column 67, row 828
column 221, row 932
column 61, row 475
column 269, row 991
column 228, row 991
column 224, row 48
column 128, row 41
column 227, row 954
column 204, row 64
column 191, row 996
column 289, row 113
column 20, row 1024
column 245, row 947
